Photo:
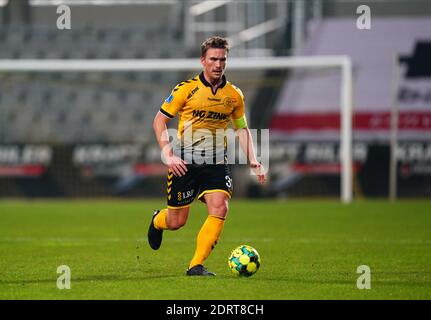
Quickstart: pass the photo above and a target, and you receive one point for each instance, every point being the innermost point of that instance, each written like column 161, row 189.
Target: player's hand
column 176, row 165
column 259, row 170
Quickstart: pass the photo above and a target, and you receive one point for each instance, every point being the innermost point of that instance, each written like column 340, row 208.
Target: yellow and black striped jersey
column 203, row 113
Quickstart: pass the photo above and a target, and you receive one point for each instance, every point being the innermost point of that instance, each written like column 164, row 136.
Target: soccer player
column 197, row 166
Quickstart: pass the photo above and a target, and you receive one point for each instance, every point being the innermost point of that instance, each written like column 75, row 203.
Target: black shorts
column 198, row 180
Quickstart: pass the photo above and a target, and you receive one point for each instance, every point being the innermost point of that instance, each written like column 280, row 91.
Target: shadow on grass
column 406, row 282
column 283, row 280
column 91, row 278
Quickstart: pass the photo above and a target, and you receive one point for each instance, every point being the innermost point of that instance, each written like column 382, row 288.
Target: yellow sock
column 207, row 239
column 160, row 220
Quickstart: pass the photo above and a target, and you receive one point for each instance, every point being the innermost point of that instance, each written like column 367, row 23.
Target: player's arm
column 173, row 162
column 246, row 143
column 239, row 122
column 169, row 108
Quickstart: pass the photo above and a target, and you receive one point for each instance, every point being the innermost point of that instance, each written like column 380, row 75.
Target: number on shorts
column 228, row 182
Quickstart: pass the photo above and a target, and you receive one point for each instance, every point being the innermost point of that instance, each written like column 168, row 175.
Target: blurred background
column 89, row 134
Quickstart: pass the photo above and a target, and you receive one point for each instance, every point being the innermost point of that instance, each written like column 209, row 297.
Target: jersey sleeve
column 174, row 102
column 238, row 115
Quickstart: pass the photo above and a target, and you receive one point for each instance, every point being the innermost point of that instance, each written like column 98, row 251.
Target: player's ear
column 202, row 60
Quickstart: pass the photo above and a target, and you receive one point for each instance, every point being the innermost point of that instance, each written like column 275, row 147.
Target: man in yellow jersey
column 197, row 163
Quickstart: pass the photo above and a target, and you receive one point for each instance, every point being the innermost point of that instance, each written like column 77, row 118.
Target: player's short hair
column 214, row 42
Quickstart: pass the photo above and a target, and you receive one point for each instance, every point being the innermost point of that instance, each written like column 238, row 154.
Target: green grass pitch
column 309, row 250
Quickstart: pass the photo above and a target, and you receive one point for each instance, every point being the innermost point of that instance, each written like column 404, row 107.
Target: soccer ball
column 244, row 261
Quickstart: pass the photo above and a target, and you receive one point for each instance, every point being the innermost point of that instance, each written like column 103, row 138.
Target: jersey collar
column 207, row 84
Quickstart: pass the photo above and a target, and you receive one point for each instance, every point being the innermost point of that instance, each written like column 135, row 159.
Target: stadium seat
column 71, row 101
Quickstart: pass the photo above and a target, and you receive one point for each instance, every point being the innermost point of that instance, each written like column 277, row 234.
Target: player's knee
column 219, row 207
column 222, row 210
column 177, row 220
column 175, row 226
